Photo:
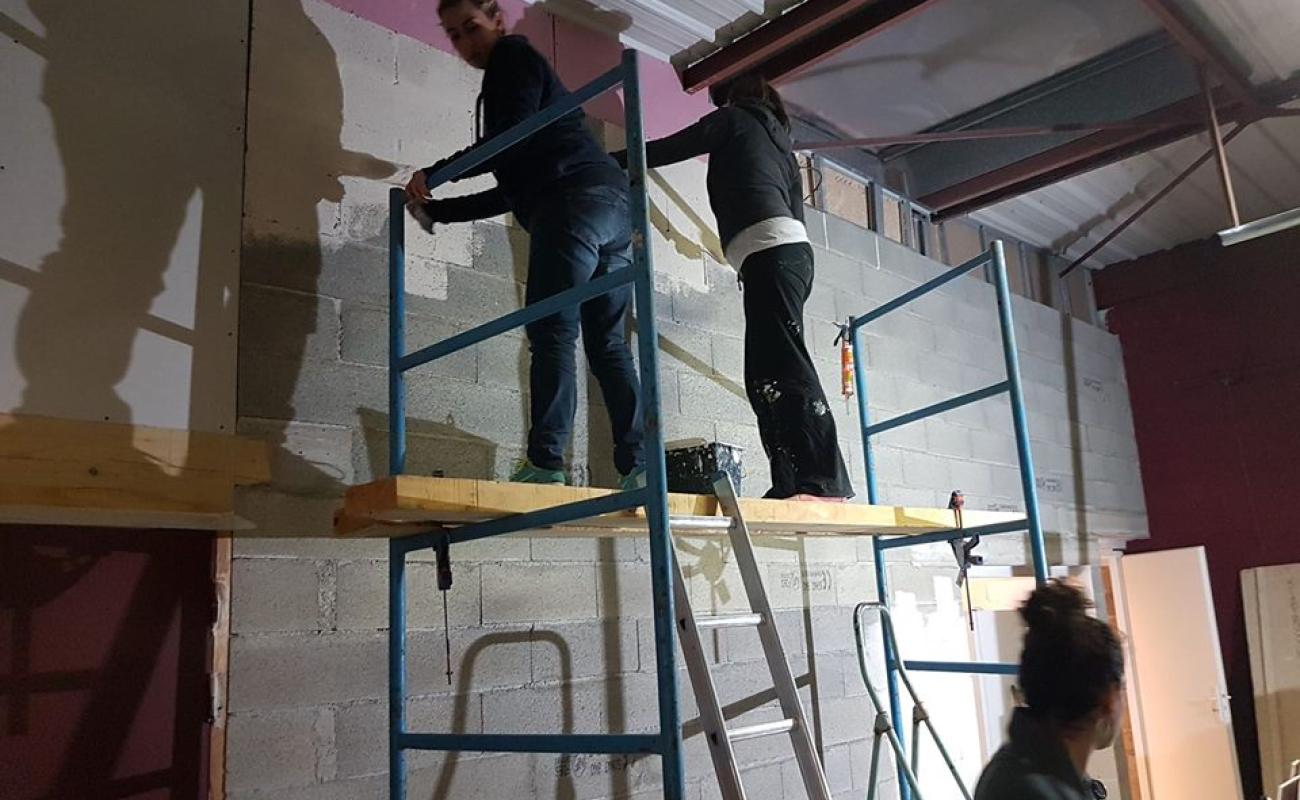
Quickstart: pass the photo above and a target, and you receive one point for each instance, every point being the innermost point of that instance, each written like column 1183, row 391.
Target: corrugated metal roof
column 680, row 30
column 1263, row 33
column 1071, row 216
column 957, row 56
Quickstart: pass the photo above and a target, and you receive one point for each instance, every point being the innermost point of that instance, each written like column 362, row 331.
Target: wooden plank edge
column 117, row 518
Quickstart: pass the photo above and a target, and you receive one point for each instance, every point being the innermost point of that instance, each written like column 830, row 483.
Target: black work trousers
column 794, row 419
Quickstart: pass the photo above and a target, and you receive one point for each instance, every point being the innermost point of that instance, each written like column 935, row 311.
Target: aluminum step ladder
column 720, row 738
column 883, row 728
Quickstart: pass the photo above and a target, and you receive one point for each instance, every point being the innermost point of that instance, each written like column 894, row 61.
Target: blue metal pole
column 396, row 330
column 661, row 557
column 516, row 319
column 939, row 408
column 396, row 669
column 878, row 552
column 925, row 288
column 964, row 667
column 1012, row 358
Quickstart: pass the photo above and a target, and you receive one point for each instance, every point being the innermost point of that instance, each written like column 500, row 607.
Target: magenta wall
column 577, row 53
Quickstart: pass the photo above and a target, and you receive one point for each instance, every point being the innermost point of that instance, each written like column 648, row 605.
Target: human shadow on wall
column 137, row 681
column 145, row 104
column 295, row 164
column 432, row 448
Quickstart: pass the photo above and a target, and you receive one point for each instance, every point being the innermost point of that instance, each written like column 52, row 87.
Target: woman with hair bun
column 1072, row 683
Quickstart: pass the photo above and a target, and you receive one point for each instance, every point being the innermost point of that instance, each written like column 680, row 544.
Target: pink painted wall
column 577, row 53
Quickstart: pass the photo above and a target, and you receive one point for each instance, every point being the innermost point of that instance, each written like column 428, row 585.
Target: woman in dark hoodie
column 757, row 197
column 573, row 200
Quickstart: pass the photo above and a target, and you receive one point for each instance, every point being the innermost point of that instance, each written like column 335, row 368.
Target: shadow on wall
column 109, row 703
column 295, row 118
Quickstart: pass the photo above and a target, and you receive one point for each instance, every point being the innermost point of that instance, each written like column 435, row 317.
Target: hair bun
column 1054, row 604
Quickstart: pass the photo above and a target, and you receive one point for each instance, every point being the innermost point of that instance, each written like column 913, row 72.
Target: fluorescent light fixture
column 1260, row 227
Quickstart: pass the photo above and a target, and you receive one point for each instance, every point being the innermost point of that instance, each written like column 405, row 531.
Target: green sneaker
column 633, row 480
column 527, row 472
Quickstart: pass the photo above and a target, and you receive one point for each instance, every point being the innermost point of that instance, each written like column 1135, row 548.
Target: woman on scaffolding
column 573, row 200
column 757, row 197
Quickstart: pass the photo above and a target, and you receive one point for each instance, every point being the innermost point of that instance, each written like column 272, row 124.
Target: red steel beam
column 867, row 21
column 765, row 41
column 970, row 134
column 1073, row 158
column 1200, row 47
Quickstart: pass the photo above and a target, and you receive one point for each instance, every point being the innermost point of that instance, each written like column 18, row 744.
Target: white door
column 1178, row 697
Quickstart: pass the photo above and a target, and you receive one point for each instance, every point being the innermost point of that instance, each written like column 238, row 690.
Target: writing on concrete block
column 1052, row 485
column 817, row 580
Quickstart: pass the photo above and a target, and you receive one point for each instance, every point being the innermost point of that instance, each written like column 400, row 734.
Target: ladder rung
column 700, row 523
column 763, row 729
column 729, row 621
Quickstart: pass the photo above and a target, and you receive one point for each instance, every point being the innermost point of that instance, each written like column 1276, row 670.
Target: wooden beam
column 406, row 504
column 72, row 472
column 219, row 665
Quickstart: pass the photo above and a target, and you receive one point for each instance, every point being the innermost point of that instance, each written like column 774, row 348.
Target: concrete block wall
column 555, row 634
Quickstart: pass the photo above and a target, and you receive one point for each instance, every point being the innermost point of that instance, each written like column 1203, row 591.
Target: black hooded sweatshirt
column 752, row 173
column 518, row 83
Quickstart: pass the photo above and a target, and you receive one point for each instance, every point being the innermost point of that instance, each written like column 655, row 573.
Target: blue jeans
column 579, row 234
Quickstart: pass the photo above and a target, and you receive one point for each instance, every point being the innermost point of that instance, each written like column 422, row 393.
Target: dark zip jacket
column 752, row 173
column 518, row 83
column 1033, row 765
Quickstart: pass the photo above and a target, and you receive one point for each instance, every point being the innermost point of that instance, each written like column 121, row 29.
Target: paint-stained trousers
column 794, row 419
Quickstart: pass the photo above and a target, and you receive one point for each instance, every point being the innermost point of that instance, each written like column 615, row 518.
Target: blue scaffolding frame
column 654, row 497
column 993, row 258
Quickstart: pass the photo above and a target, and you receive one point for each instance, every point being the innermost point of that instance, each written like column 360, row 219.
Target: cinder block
column 815, row 223
column 598, row 777
column 727, row 358
column 546, row 709
column 917, row 333
column 453, row 453
column 269, row 595
column 305, row 459
column 793, row 586
column 493, row 297
column 365, row 341
column 851, row 240
column 276, row 749
column 683, row 347
column 946, row 439
column 623, row 590
column 362, row 596
column 585, row 650
column 522, row 592
column 361, row 731
column 926, row 471
column 279, row 515
column 310, row 391
column 501, row 250
column 972, row 477
column 586, row 549
column 287, row 671
column 822, row 302
column 482, row 658
column 715, row 309
column 855, row 583
column 504, row 361
column 712, row 398
column 287, row 323
column 843, row 272
column 995, row 445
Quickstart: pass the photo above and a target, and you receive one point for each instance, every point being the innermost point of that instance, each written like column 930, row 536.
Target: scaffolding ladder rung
column 729, row 621
column 761, row 729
